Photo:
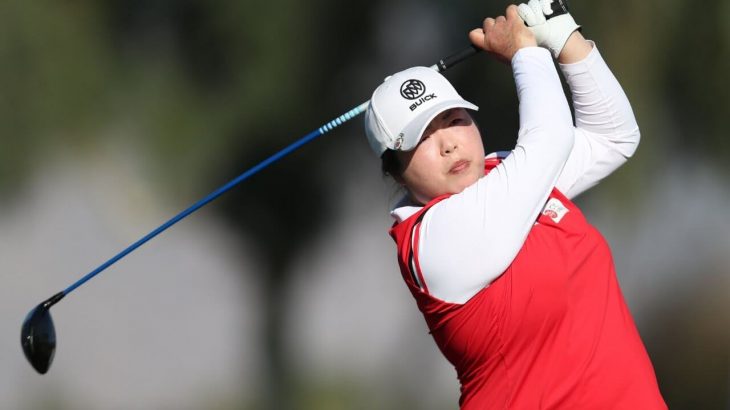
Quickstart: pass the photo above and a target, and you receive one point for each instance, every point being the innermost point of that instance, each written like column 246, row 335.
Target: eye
column 456, row 121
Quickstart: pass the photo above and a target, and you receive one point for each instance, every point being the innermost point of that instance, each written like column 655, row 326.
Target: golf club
column 38, row 335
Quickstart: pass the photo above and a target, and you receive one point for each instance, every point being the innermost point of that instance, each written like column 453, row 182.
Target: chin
column 461, row 187
column 473, row 177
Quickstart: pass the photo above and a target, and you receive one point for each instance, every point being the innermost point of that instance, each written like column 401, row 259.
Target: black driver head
column 38, row 338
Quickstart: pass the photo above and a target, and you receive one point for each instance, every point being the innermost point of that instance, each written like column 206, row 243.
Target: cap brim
column 414, row 130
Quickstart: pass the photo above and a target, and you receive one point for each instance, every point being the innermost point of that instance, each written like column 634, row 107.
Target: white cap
column 402, row 107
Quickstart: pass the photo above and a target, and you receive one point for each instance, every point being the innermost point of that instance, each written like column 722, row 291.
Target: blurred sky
column 115, row 115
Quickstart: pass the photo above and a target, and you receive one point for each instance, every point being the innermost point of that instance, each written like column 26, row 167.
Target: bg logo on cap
column 412, row 89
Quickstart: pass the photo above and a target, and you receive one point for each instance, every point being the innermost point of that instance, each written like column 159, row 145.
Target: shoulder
column 404, row 209
column 498, row 155
column 494, row 159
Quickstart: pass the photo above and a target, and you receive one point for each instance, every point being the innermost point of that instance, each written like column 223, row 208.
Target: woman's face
column 449, row 157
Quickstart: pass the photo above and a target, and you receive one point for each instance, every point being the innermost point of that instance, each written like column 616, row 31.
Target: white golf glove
column 549, row 21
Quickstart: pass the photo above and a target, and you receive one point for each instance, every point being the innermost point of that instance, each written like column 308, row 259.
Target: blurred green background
column 142, row 107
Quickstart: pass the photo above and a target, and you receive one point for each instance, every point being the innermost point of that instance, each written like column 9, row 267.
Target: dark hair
column 390, row 165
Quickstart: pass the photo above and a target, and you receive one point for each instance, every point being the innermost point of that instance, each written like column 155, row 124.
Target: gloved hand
column 549, row 21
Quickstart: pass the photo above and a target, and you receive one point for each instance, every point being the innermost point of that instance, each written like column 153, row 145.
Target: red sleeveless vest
column 552, row 332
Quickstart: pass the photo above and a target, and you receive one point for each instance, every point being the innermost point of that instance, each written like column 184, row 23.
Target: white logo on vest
column 555, row 210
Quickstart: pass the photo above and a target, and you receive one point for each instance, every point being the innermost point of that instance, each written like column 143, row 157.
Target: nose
column 448, row 144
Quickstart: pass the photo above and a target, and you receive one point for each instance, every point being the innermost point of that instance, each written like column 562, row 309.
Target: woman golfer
column 517, row 288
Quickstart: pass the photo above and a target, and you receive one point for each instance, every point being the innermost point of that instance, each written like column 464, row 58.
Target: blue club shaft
column 220, row 191
column 442, row 65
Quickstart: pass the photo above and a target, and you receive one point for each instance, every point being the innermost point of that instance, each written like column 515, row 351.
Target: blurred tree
column 695, row 81
column 690, row 339
column 52, row 75
column 284, row 208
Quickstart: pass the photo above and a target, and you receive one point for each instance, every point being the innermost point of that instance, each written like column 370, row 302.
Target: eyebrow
column 441, row 117
column 447, row 114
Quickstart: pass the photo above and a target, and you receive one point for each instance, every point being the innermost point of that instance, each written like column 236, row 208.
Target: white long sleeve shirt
column 469, row 239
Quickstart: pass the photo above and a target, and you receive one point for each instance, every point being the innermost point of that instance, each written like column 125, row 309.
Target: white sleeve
column 606, row 132
column 469, row 239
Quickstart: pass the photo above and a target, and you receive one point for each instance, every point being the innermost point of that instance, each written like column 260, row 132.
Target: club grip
column 559, row 8
column 455, row 58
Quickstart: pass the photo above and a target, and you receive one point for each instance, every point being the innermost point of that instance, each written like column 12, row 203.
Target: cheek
column 478, row 172
column 419, row 173
column 476, row 148
column 421, row 176
column 421, row 162
column 475, row 142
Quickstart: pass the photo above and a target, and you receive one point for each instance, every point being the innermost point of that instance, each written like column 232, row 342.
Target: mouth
column 459, row 166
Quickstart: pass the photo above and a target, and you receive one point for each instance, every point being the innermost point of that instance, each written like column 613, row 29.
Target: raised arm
column 607, row 134
column 606, row 131
column 469, row 239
